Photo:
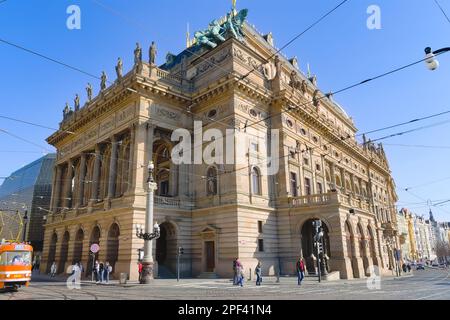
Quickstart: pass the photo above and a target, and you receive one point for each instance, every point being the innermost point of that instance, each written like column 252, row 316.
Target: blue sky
column 341, row 51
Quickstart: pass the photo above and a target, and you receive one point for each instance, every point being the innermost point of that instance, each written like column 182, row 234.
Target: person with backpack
column 300, row 268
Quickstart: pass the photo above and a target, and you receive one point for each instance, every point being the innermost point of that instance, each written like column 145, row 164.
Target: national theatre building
column 230, row 77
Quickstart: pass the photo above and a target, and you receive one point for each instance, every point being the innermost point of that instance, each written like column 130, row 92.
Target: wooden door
column 210, row 256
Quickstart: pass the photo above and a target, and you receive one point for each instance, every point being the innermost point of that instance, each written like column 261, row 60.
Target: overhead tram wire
column 246, row 126
column 142, row 28
column 347, row 88
column 428, row 183
column 429, row 204
column 295, row 38
column 442, row 10
column 32, row 124
column 344, row 139
column 342, row 90
column 25, row 140
column 415, row 146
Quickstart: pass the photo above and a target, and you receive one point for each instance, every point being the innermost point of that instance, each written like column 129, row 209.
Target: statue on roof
column 89, row 91
column 77, row 102
column 152, row 53
column 137, row 54
column 217, row 33
column 67, row 110
column 103, row 78
column 119, row 68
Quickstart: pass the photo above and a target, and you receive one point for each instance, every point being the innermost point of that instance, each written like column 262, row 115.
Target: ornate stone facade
column 218, row 213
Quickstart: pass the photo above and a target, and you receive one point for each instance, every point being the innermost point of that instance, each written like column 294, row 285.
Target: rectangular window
column 307, row 186
column 319, row 188
column 260, row 226
column 294, row 184
column 254, row 146
column 260, row 245
column 306, row 161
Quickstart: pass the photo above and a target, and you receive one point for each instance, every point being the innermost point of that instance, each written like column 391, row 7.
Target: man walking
column 235, row 275
column 300, row 268
column 258, row 273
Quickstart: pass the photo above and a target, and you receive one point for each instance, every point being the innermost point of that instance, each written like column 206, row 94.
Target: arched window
column 211, row 181
column 256, row 181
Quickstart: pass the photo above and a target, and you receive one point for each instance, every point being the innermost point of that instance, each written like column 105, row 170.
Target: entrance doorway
column 166, row 251
column 210, row 254
column 308, row 246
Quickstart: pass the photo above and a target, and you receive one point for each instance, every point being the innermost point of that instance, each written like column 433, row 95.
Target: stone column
column 173, row 175
column 313, row 169
column 131, row 162
column 96, row 175
column 68, row 201
column 57, row 192
column 81, row 181
column 71, row 247
column 112, row 168
column 301, row 176
column 352, row 182
column 149, row 142
column 344, row 185
column 333, row 175
column 326, row 189
column 54, row 181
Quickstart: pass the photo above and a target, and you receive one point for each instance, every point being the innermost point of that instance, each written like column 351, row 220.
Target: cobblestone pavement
column 419, row 285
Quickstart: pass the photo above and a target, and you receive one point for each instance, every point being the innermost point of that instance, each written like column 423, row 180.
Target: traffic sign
column 95, row 248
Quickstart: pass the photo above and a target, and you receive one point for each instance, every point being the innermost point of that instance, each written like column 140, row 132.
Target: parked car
column 420, row 267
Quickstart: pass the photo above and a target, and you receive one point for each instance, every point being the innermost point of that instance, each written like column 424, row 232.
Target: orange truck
column 15, row 264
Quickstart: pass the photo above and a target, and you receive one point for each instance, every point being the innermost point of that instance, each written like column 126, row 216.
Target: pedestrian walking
column 96, row 271
column 235, row 274
column 258, row 272
column 140, row 271
column 300, row 268
column 240, row 271
column 108, row 270
column 101, row 271
column 53, row 269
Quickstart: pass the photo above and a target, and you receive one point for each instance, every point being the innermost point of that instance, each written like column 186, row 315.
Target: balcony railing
column 167, row 202
column 331, row 198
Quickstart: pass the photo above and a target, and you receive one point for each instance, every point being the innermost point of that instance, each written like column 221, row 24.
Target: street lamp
column 431, row 62
column 147, row 234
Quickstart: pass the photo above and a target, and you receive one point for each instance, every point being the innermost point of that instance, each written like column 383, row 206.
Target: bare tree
column 443, row 250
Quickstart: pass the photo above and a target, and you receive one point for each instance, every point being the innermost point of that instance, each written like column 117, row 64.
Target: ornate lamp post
column 147, row 234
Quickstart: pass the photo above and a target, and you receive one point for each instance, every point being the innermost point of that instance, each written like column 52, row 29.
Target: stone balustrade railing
column 332, row 198
column 167, row 202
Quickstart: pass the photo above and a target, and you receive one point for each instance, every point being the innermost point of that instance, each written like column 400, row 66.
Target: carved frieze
column 107, row 126
column 212, row 62
column 161, row 112
column 125, row 115
column 248, row 60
